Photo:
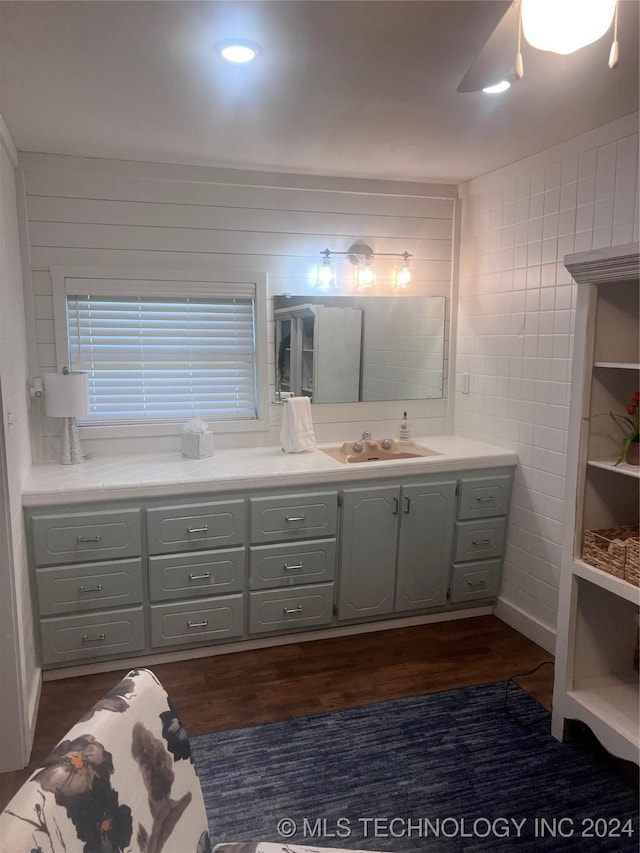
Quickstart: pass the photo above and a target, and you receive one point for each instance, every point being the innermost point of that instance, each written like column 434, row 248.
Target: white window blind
column 164, row 359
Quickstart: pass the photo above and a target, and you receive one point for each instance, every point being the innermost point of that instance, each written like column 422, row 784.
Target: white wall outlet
column 466, row 383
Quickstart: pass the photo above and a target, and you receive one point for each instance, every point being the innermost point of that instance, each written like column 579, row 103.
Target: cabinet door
column 368, row 552
column 426, row 539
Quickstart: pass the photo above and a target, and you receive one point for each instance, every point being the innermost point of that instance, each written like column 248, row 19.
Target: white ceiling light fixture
column 239, row 51
column 564, row 26
column 500, row 87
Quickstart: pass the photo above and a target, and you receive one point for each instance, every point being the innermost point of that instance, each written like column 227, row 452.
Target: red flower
column 636, row 397
column 631, row 409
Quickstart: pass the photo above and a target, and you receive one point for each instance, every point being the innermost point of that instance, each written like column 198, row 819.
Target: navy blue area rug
column 451, row 771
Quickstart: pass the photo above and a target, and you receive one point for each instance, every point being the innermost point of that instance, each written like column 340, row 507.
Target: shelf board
column 614, row 701
column 618, row 365
column 604, row 580
column 610, row 465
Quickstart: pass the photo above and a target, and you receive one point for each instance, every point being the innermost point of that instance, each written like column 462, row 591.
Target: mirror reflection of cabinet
column 318, row 352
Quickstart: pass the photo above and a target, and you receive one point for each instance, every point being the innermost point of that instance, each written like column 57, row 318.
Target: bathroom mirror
column 337, row 349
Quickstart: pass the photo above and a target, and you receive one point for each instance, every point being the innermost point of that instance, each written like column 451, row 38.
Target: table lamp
column 66, row 396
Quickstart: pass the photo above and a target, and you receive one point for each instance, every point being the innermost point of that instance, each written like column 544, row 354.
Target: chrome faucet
column 366, row 436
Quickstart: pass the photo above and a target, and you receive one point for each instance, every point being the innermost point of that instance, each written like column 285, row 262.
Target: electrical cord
column 511, row 680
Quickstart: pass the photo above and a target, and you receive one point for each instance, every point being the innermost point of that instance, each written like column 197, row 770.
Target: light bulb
column 502, row 86
column 403, row 275
column 326, row 275
column 366, row 275
column 564, row 26
column 239, row 51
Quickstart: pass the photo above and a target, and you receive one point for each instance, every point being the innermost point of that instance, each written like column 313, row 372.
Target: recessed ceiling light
column 239, row 50
column 502, row 86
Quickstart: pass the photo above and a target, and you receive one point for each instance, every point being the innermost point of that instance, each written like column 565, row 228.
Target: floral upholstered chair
column 121, row 780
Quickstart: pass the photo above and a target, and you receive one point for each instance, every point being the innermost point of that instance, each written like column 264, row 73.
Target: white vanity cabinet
column 318, row 352
column 596, row 674
column 126, row 578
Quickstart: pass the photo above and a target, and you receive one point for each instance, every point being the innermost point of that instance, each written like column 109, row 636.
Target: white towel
column 296, row 430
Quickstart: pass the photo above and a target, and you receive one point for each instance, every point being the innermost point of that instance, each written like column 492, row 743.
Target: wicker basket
column 632, row 565
column 600, row 549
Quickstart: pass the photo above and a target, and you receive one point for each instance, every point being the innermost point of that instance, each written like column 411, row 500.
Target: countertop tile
column 165, row 474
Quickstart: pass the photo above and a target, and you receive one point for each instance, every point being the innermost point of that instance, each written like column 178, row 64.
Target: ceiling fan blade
column 497, row 59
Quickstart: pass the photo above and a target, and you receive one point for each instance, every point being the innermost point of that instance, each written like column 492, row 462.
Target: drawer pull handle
column 476, row 583
column 97, row 588
column 88, row 539
column 396, row 506
column 288, row 611
column 484, row 541
column 204, row 577
column 99, row 639
column 198, row 529
column 292, row 567
column 407, row 505
column 294, row 518
column 202, row 624
column 483, row 500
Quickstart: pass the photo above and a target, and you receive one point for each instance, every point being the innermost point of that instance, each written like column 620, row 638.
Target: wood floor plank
column 266, row 685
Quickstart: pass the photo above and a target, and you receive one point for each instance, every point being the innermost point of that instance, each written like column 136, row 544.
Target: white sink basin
column 373, row 451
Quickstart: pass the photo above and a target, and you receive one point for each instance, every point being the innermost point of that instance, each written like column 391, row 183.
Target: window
column 162, row 351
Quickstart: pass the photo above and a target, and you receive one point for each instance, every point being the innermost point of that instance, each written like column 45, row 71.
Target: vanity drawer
column 477, row 540
column 475, row 580
column 294, row 517
column 481, row 497
column 200, row 621
column 299, row 607
column 192, row 527
column 74, row 538
column 313, row 561
column 89, row 586
column 75, row 638
column 190, row 575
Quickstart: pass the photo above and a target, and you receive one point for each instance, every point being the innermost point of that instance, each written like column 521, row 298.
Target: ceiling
column 359, row 89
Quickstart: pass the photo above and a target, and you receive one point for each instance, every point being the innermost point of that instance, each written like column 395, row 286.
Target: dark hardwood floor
column 247, row 688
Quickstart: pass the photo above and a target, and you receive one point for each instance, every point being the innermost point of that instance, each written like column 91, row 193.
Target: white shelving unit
column 318, row 352
column 596, row 678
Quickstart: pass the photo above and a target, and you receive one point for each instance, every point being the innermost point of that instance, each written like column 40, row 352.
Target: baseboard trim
column 533, row 630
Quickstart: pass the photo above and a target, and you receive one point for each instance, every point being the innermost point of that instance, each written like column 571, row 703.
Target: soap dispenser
column 405, row 431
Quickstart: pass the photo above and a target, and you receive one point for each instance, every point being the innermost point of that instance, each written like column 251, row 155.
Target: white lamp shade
column 564, row 26
column 66, row 395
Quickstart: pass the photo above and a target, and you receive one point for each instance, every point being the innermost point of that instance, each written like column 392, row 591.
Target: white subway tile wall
column 396, row 339
column 516, row 322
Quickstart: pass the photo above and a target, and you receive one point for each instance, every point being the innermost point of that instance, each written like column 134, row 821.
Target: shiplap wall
column 92, row 212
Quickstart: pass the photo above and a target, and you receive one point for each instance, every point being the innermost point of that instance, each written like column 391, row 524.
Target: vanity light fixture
column 362, row 257
column 326, row 276
column 365, row 272
column 402, row 276
column 239, row 51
